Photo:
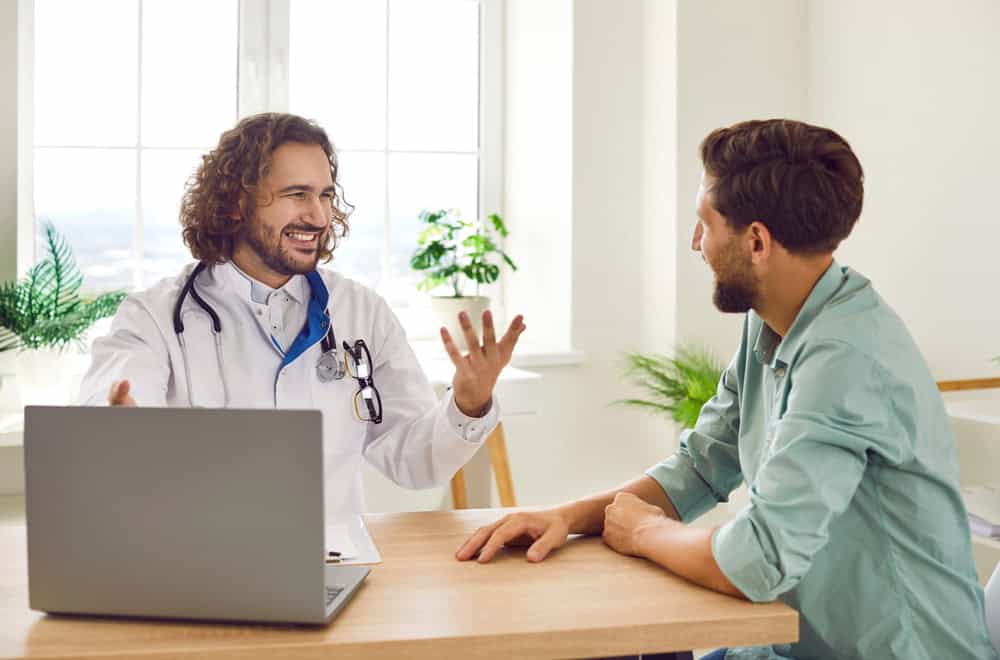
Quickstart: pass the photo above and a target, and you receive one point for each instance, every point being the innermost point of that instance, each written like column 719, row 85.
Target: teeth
column 299, row 236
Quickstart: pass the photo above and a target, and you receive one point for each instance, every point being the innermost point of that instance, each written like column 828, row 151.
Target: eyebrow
column 304, row 188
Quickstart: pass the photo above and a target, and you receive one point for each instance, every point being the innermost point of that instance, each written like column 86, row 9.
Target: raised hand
column 476, row 373
column 119, row 396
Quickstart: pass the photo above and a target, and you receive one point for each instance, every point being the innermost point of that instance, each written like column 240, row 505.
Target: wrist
column 645, row 535
column 474, row 409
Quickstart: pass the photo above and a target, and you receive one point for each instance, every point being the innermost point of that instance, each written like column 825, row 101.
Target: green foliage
column 452, row 248
column 45, row 308
column 675, row 386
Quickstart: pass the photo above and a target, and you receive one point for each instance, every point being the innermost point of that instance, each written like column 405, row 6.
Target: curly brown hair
column 802, row 182
column 228, row 180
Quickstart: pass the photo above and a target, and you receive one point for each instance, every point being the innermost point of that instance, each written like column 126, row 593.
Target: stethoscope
column 329, row 367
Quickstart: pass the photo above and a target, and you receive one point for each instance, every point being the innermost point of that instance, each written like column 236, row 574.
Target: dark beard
column 733, row 298
column 267, row 246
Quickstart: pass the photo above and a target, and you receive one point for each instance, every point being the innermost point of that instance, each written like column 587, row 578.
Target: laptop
column 186, row 513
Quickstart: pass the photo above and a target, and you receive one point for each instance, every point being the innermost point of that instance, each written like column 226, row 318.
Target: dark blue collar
column 317, row 319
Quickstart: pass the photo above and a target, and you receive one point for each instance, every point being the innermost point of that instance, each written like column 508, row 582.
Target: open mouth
column 304, row 240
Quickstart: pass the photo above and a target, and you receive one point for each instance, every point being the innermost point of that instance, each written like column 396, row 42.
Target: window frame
column 262, row 85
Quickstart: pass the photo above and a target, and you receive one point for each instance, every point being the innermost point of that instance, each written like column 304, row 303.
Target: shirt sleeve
column 836, row 414
column 132, row 350
column 706, row 468
column 422, row 441
column 473, row 429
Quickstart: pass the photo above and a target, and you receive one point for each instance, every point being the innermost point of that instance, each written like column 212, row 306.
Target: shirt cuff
column 685, row 488
column 737, row 550
column 472, row 429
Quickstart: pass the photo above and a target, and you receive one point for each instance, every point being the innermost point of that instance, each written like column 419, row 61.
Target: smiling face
column 723, row 250
column 292, row 217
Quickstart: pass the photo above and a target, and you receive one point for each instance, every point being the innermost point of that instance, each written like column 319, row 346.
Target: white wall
column 736, row 61
column 915, row 88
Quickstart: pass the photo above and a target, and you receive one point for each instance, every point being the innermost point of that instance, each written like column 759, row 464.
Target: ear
column 761, row 242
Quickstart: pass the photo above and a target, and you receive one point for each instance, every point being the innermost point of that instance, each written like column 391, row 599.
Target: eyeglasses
column 367, row 400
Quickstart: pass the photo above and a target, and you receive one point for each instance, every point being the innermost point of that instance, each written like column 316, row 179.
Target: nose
column 696, row 237
column 319, row 210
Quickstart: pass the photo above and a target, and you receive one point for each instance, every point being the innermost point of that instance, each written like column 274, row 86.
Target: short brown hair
column 228, row 179
column 802, row 182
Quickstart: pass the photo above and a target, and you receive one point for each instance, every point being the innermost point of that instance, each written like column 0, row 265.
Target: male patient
column 827, row 411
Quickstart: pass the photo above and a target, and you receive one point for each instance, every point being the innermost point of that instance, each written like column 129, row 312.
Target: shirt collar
column 770, row 347
column 252, row 290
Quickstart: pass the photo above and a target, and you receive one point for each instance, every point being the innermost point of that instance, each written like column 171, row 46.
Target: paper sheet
column 349, row 536
column 338, row 539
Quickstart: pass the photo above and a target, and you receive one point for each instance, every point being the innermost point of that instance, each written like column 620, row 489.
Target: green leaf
column 45, row 307
column 498, row 225
column 467, row 245
column 676, row 386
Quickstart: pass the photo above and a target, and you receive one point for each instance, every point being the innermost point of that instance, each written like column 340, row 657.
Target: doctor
column 253, row 323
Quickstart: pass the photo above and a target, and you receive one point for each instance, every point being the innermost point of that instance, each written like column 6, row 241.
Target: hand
column 119, row 396
column 476, row 373
column 544, row 531
column 626, row 519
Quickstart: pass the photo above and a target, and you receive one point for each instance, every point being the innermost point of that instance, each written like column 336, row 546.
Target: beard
column 733, row 297
column 735, row 284
column 266, row 244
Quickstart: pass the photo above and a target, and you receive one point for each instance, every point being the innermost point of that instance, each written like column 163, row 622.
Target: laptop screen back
column 190, row 513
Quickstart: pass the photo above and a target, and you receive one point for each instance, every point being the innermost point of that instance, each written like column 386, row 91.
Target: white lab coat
column 420, row 443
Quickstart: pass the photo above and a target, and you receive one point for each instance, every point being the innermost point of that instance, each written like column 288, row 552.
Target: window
column 129, row 93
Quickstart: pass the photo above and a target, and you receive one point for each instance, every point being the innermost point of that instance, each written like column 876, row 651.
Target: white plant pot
column 45, row 377
column 9, row 398
column 446, row 310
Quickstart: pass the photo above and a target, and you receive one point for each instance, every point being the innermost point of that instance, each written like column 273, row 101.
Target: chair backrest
column 993, row 607
column 993, row 586
column 970, row 384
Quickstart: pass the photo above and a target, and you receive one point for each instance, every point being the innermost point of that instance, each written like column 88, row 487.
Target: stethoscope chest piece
column 329, row 368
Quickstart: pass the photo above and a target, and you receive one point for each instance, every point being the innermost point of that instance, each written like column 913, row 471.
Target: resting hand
column 544, row 531
column 119, row 396
column 476, row 373
column 626, row 519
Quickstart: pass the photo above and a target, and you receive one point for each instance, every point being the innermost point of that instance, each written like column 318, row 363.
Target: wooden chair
column 972, row 384
column 501, row 472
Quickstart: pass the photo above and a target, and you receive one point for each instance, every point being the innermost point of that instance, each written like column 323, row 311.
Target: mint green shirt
column 854, row 519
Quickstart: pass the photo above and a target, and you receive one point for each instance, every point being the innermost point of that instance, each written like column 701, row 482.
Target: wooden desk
column 584, row 601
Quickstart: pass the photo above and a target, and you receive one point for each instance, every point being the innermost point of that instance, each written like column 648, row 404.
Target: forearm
column 685, row 551
column 586, row 516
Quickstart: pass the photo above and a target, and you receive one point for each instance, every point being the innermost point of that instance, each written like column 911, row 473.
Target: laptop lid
column 176, row 512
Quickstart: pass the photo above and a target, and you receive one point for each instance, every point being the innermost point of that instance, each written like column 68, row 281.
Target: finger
column 472, row 544
column 506, row 532
column 489, row 335
column 552, row 538
column 118, row 393
column 452, row 349
column 509, row 339
column 471, row 340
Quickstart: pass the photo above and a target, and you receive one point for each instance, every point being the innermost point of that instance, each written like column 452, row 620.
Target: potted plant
column 454, row 251
column 674, row 386
column 42, row 315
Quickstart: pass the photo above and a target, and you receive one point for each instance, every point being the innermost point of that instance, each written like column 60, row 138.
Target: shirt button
column 260, row 312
